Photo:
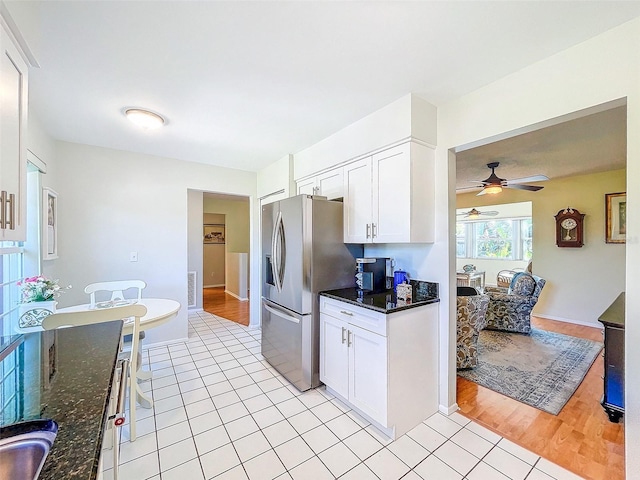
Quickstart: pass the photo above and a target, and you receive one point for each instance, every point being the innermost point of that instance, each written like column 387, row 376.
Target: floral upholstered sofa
column 510, row 309
column 471, row 310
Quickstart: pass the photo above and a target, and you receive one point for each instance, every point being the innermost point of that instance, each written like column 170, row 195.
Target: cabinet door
column 334, row 356
column 13, row 140
column 392, row 195
column 307, row 187
column 357, row 202
column 368, row 372
column 331, row 184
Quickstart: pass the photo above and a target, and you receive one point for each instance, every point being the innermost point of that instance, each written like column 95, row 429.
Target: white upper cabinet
column 329, row 184
column 13, row 139
column 358, row 190
column 389, row 197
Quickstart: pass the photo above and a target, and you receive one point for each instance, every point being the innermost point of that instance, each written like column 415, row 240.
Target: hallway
column 221, row 304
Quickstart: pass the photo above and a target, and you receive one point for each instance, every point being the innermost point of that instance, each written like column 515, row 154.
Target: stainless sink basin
column 24, row 448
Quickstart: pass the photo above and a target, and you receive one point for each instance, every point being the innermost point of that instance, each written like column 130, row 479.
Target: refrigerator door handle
column 281, row 314
column 276, row 253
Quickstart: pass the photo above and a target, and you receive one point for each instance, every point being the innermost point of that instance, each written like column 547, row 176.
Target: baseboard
column 195, row 309
column 236, row 296
column 571, row 320
column 448, row 410
column 212, row 286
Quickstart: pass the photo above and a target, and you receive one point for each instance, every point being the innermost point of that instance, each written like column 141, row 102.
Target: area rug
column 542, row 369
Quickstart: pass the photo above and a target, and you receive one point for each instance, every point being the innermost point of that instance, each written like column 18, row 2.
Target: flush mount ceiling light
column 144, row 118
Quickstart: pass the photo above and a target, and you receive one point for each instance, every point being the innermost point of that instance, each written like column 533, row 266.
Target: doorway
column 590, row 150
column 225, row 256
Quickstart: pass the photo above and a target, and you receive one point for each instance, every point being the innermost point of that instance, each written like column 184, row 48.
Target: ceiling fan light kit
column 494, row 184
column 475, row 213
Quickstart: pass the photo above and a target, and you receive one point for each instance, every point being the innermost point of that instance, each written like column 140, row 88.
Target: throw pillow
column 522, row 284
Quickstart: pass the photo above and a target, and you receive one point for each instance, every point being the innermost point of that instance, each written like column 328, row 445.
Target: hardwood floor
column 580, row 438
column 215, row 301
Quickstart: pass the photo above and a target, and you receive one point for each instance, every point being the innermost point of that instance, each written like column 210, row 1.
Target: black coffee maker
column 371, row 274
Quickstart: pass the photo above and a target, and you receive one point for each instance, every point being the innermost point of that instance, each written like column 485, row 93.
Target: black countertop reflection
column 424, row 293
column 64, row 375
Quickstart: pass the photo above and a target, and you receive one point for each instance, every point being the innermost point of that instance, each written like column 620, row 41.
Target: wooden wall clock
column 569, row 228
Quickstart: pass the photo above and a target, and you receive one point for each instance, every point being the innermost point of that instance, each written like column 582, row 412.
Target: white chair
column 115, row 288
column 115, row 292
column 136, row 311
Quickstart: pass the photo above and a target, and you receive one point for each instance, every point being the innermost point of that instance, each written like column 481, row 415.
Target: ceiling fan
column 495, row 184
column 473, row 213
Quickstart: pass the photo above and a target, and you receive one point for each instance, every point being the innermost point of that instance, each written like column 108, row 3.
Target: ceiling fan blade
column 534, row 178
column 491, row 213
column 531, row 188
column 481, row 192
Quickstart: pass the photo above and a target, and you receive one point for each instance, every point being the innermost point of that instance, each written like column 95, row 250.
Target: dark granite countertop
column 74, row 393
column 613, row 316
column 424, row 293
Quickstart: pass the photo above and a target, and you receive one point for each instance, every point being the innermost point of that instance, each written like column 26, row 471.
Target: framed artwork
column 616, row 217
column 49, row 224
column 213, row 234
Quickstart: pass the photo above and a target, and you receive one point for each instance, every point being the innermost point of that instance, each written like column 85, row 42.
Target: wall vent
column 191, row 289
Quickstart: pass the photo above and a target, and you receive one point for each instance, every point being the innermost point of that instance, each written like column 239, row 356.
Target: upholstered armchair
column 471, row 310
column 510, row 309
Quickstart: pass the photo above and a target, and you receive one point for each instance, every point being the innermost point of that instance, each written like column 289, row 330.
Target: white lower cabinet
column 368, row 373
column 384, row 366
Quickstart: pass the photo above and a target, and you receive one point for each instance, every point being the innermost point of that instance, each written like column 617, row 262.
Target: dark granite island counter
column 64, row 375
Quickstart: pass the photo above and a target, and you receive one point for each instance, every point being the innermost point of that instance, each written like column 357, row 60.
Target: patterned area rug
column 542, row 369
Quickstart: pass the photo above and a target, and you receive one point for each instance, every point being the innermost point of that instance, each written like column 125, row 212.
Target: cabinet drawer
column 375, row 322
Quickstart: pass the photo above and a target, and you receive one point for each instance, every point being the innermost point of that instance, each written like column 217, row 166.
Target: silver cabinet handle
column 368, row 230
column 3, row 201
column 12, row 211
column 346, row 313
column 343, row 332
column 373, row 230
column 349, row 341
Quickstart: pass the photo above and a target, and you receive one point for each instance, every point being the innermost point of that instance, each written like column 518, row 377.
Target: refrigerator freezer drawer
column 287, row 344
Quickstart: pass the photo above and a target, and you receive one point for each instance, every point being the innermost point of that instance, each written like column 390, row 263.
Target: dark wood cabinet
column 613, row 320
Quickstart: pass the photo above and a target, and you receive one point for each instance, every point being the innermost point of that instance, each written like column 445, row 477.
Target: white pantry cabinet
column 13, row 139
column 329, row 184
column 389, row 196
column 383, row 365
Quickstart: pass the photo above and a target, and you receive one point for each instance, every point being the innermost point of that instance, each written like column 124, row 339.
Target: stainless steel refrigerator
column 303, row 253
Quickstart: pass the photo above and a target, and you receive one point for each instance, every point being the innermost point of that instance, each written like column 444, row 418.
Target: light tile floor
column 221, row 411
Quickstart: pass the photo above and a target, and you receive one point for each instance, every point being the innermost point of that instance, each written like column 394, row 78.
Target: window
column 505, row 239
column 11, row 271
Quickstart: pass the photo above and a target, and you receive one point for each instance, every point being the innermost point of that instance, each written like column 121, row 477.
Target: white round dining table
column 159, row 311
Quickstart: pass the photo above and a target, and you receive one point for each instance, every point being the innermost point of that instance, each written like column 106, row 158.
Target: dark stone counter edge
column 429, row 301
column 613, row 316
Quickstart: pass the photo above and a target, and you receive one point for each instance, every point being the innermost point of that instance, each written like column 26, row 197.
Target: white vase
column 31, row 314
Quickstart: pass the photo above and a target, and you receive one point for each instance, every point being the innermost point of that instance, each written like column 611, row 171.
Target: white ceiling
column 244, row 83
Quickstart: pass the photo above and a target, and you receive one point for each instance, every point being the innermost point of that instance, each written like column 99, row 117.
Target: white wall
column 195, row 258
column 599, row 70
column 113, row 202
column 277, row 177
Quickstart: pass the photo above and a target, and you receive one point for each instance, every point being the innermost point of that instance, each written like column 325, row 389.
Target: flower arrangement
column 39, row 289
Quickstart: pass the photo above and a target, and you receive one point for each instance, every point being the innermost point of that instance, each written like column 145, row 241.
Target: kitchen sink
column 24, row 447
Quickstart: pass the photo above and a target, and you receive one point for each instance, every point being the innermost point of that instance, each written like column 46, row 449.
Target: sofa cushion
column 522, row 284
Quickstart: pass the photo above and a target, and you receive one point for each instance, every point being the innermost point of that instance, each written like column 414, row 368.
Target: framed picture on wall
column 213, row 233
column 616, row 217
column 49, row 224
